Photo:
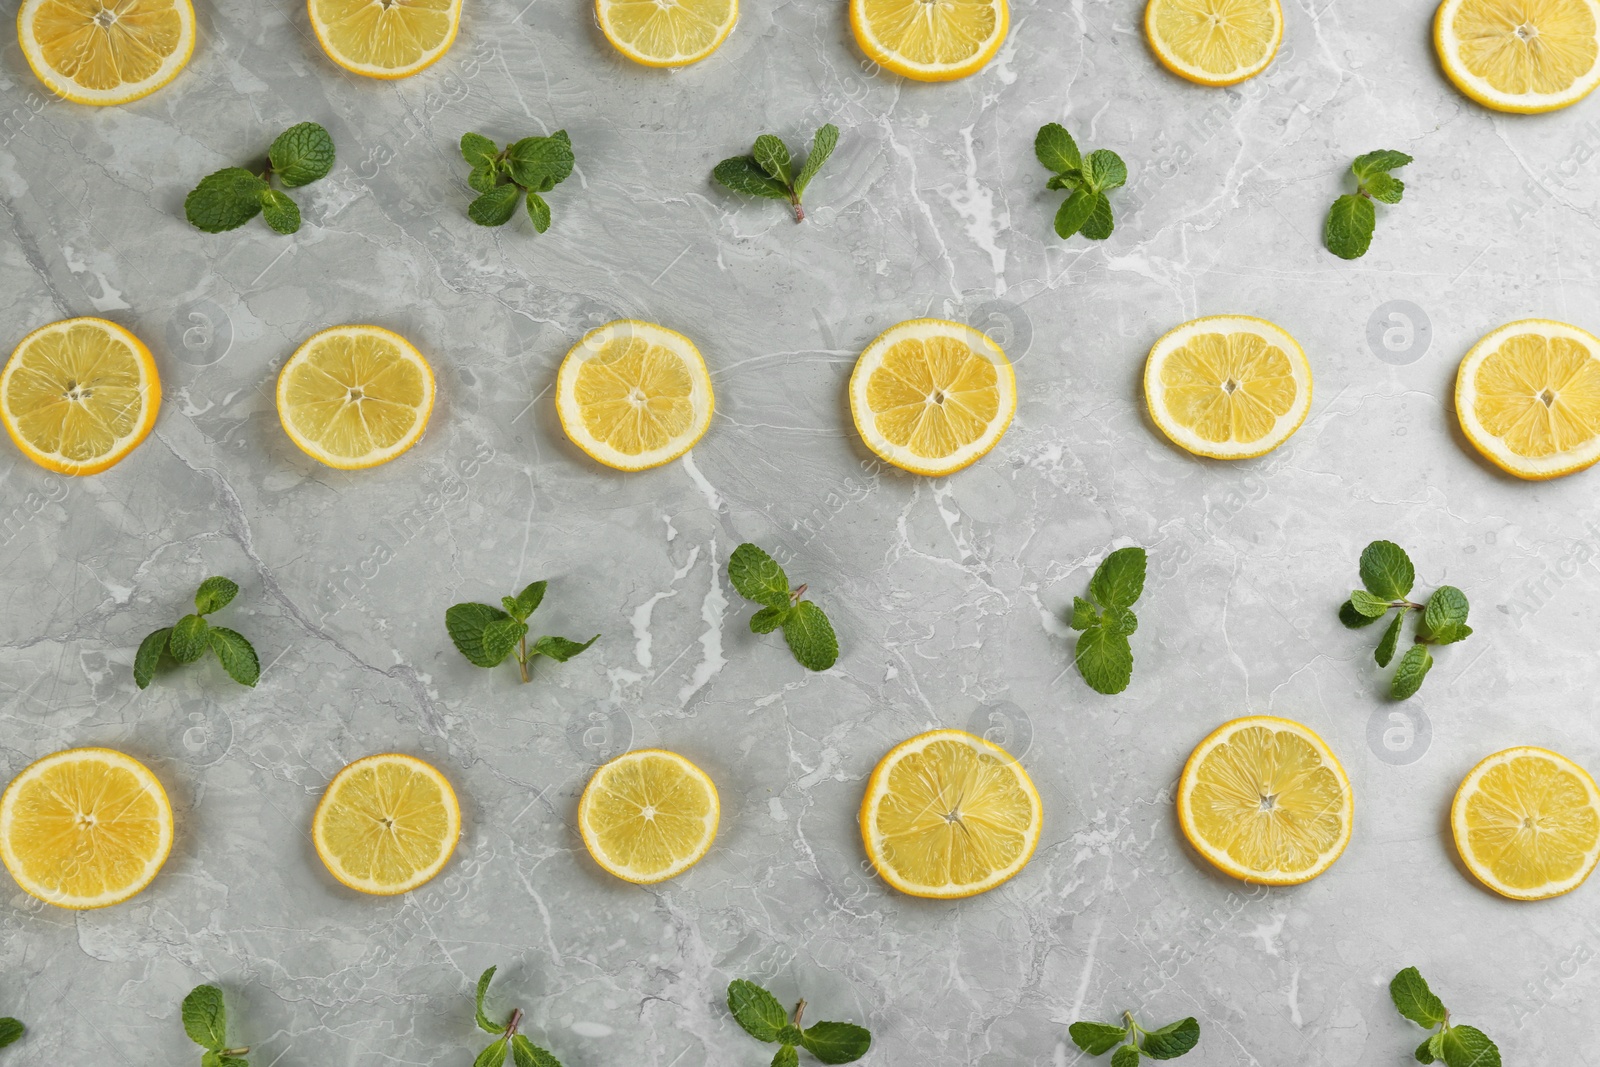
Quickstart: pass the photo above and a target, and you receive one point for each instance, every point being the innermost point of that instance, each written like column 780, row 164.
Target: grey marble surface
column 948, row 594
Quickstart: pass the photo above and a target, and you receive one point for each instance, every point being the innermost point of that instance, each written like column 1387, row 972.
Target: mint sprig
column 758, row 577
column 768, row 171
column 1353, row 217
column 1104, row 656
column 1453, row 1043
column 500, row 176
column 231, row 197
column 524, row 1053
column 1087, row 210
column 487, row 635
column 10, row 1031
column 192, row 636
column 205, row 1020
column 764, row 1019
column 1167, row 1043
column 1388, row 576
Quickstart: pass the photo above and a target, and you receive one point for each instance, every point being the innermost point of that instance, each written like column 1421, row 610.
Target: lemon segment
column 947, row 814
column 1265, row 800
column 78, row 395
column 386, row 824
column 1228, row 386
column 634, row 395
column 106, row 51
column 355, row 396
column 1523, row 56
column 931, row 396
column 85, row 828
column 385, row 38
column 930, row 40
column 666, row 33
column 1528, row 397
column 648, row 815
column 1527, row 823
column 1214, row 42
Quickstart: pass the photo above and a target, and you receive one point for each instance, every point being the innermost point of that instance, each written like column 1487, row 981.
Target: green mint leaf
column 1385, row 188
column 301, row 154
column 561, row 649
column 836, row 1042
column 205, row 1018
column 211, row 1058
column 1424, row 1053
column 756, row 1010
column 1126, row 1056
column 1445, row 617
column 1411, row 995
column 214, row 594
column 1056, row 150
column 1120, row 621
column 495, row 207
column 1099, row 224
column 237, row 656
column 1373, row 164
column 1106, row 170
column 1083, row 614
column 10, row 1031
column 1348, row 231
column 1075, row 211
column 148, row 658
column 539, row 164
column 466, row 623
column 758, row 577
column 789, row 1034
column 539, row 212
column 743, row 175
column 1414, row 666
column 767, row 620
column 1390, row 640
column 279, row 211
column 1068, row 180
column 822, row 146
column 225, row 200
column 484, row 979
column 1172, row 1040
column 1373, row 607
column 1096, row 1038
column 1105, row 660
column 1353, row 618
column 233, row 1061
column 483, row 179
column 188, row 641
column 1467, row 1046
column 525, row 1053
column 478, row 150
column 1436, row 1045
column 1119, row 580
column 786, row 1057
column 493, row 1056
column 529, row 599
column 772, row 156
column 810, row 636
column 501, row 637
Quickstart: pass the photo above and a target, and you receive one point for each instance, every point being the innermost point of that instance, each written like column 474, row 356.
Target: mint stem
column 516, row 1016
column 799, row 212
column 799, row 1010
column 522, row 665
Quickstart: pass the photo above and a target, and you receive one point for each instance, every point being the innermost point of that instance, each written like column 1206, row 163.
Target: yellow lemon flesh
column 1528, row 396
column 947, row 814
column 930, row 40
column 1214, row 42
column 1265, row 800
column 648, row 815
column 931, row 396
column 1527, row 823
column 85, row 828
column 634, row 395
column 1524, row 56
column 386, row 824
column 385, row 38
column 666, row 33
column 355, row 396
column 1228, row 386
column 79, row 395
column 106, row 51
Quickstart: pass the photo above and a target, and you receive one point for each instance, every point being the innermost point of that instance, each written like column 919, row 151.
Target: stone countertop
column 948, row 594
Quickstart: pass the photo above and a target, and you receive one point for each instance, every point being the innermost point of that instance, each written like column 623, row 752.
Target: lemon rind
column 1201, row 77
column 74, row 93
column 658, row 62
column 1459, row 830
column 367, row 885
column 1481, row 92
column 891, row 60
column 371, row 70
column 591, row 840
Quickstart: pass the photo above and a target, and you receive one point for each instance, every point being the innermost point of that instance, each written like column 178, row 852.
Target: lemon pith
column 1528, row 397
column 1527, row 823
column 1214, row 42
column 106, row 51
column 385, row 38
column 386, row 824
column 1520, row 56
column 666, row 33
column 930, row 40
column 355, row 396
column 648, row 815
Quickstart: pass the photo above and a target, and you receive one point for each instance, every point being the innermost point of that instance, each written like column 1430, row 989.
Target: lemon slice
column 355, row 396
column 931, row 396
column 85, row 828
column 1523, row 56
column 1228, row 386
column 1528, row 397
column 930, row 40
column 1214, row 42
column 1265, row 800
column 106, row 51
column 78, row 395
column 666, row 33
column 1527, row 823
column 648, row 815
column 948, row 815
column 386, row 824
column 634, row 395
column 385, row 38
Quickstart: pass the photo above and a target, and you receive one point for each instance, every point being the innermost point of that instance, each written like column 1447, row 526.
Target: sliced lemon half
column 385, row 38
column 355, row 396
column 1214, row 42
column 666, row 33
column 930, row 40
column 1228, row 386
column 1524, row 56
column 1528, row 397
column 1265, row 800
column 947, row 814
column 85, row 828
column 106, row 51
column 386, row 824
column 634, row 395
column 1527, row 823
column 78, row 395
column 648, row 815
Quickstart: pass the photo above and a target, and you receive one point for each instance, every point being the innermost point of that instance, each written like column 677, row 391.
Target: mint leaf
column 301, row 154
column 1389, row 641
column 789, row 1034
column 822, row 146
column 1105, row 659
column 810, row 636
column 495, row 207
column 525, row 1053
column 1126, row 1056
column 1069, row 180
column 478, row 150
column 1414, row 667
column 466, row 624
column 743, row 175
column 1366, row 604
column 527, row 602
column 1119, row 580
column 10, row 1031
column 205, row 1018
column 1467, row 1046
column 786, row 1057
column 484, row 979
column 836, row 1042
column 1384, row 187
column 757, row 1010
column 1172, row 1040
column 1444, row 620
column 1083, row 614
column 1096, row 1038
column 1120, row 621
column 1056, row 150
column 501, row 637
column 539, row 164
column 1106, row 170
column 1075, row 211
column 772, row 156
column 1412, row 997
column 148, row 658
column 224, row 200
column 211, row 1058
column 188, row 640
column 1424, row 1053
column 561, row 649
column 758, row 577
column 493, row 1056
column 767, row 620
column 1348, row 231
column 237, row 656
column 1099, row 224
column 214, row 594
column 1353, row 618
column 483, row 179
column 1377, row 164
column 280, row 212
column 539, row 212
